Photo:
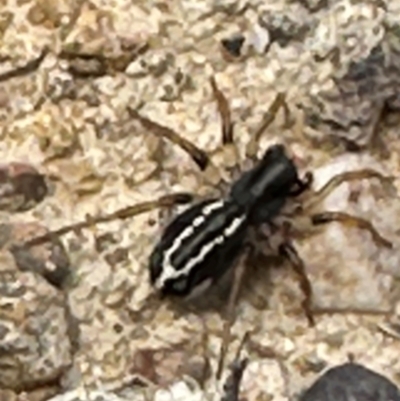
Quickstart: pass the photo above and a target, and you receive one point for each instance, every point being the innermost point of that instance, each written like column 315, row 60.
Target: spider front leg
column 121, row 214
column 268, row 118
column 320, row 195
column 230, row 150
column 318, row 218
column 351, row 221
column 288, row 251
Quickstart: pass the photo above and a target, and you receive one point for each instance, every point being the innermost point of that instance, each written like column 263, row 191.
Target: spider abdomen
column 198, row 247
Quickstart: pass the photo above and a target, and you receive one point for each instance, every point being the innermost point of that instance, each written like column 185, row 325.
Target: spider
column 259, row 209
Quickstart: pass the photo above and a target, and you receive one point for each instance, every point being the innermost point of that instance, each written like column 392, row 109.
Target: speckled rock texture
column 34, row 342
column 78, row 317
column 365, row 82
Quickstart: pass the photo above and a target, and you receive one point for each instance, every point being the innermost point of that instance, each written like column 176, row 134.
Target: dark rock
column 351, row 382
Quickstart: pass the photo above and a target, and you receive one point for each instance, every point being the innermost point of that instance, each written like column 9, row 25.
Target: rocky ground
column 78, row 319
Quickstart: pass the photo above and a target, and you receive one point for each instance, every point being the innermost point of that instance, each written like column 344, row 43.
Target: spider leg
column 225, row 113
column 339, row 179
column 351, row 221
column 232, row 385
column 206, row 369
column 288, row 251
column 321, row 310
column 199, row 156
column 233, row 296
column 268, row 118
column 124, row 213
column 229, row 149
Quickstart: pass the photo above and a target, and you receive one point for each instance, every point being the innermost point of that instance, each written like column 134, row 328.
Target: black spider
column 259, row 209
